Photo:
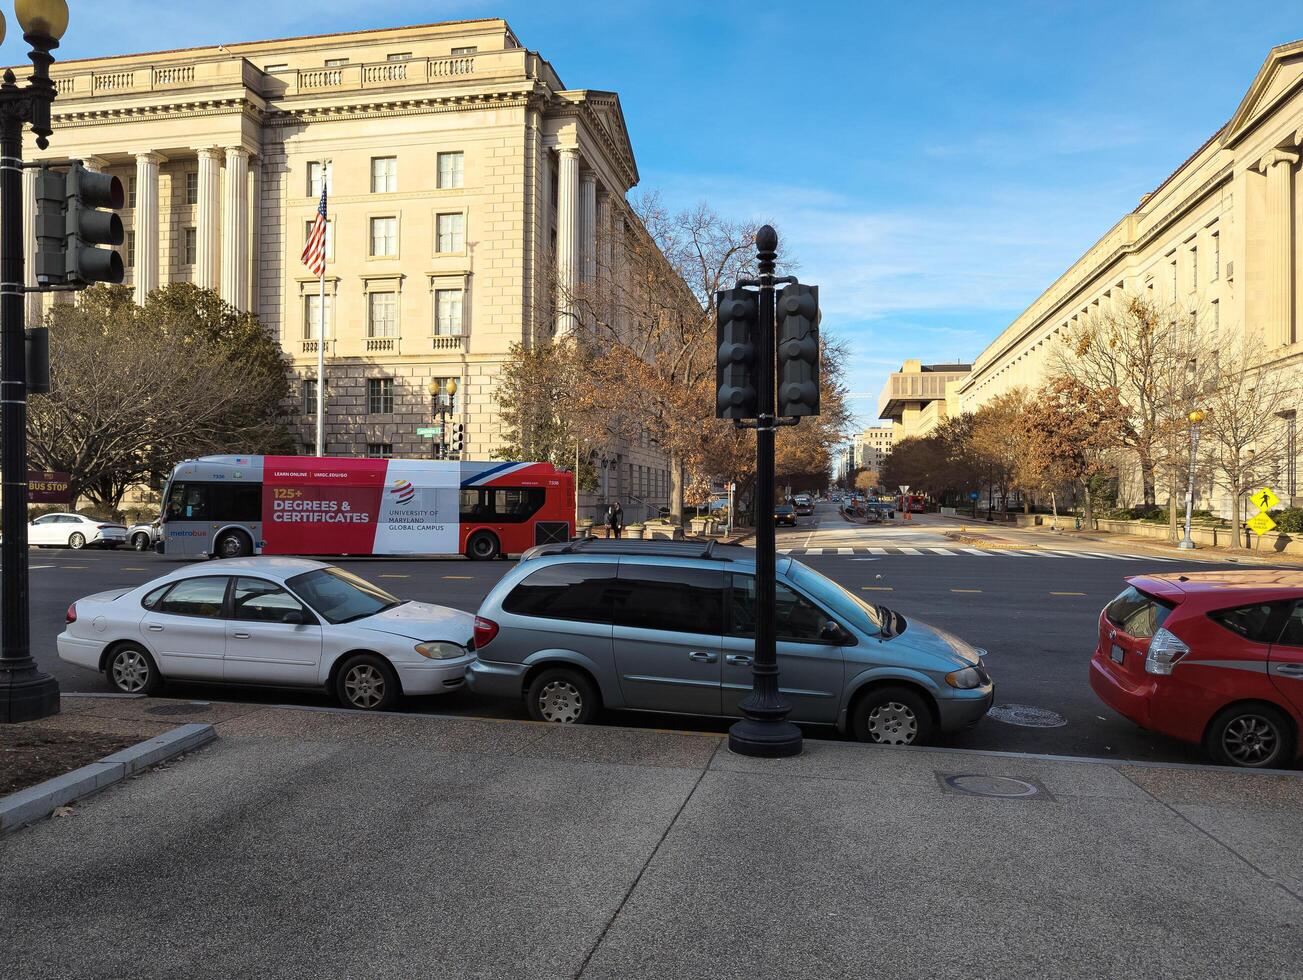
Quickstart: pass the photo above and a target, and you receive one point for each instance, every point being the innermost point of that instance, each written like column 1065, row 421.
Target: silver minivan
column 670, row 627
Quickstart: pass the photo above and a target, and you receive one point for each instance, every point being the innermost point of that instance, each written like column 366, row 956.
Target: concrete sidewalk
column 316, row 843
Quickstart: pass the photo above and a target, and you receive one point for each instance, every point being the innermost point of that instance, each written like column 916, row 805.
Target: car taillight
column 71, row 615
column 485, row 631
column 1165, row 651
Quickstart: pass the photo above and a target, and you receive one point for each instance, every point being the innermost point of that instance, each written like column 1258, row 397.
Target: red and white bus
column 910, row 503
column 228, row 506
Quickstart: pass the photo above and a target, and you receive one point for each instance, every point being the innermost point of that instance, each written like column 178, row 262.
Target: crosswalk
column 955, row 551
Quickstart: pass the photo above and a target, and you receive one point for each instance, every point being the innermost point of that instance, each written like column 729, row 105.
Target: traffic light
column 798, row 351
column 458, row 439
column 738, row 323
column 74, row 217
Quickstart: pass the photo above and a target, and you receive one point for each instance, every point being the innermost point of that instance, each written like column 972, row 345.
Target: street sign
column 1264, row 499
column 1260, row 524
column 904, row 488
column 46, row 487
column 430, row 432
column 974, row 494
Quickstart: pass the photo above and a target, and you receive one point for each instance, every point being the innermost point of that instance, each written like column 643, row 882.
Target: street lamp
column 440, row 407
column 1195, row 417
column 25, row 692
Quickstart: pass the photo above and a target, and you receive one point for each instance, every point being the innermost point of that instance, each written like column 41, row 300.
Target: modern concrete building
column 920, row 396
column 875, row 446
column 471, row 195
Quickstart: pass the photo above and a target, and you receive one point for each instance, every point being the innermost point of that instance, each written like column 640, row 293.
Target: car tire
column 562, row 696
column 140, row 542
column 483, row 546
column 232, row 544
column 1251, row 736
column 368, row 683
column 892, row 716
column 131, row 670
column 76, row 541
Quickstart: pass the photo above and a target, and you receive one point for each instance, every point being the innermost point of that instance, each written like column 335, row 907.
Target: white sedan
column 74, row 531
column 278, row 622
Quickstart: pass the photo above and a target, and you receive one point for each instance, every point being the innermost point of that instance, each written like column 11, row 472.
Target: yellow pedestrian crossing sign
column 1264, row 499
column 1260, row 524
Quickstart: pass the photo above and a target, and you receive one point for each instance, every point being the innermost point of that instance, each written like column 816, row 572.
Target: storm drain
column 193, row 708
column 1027, row 716
column 997, row 787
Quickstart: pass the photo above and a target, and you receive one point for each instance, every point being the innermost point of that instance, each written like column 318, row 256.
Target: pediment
column 1280, row 75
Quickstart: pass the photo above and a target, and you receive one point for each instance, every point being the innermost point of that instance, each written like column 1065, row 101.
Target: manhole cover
column 194, row 708
column 1027, row 716
column 999, row 787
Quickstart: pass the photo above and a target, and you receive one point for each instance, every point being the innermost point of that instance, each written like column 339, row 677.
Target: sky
column 932, row 166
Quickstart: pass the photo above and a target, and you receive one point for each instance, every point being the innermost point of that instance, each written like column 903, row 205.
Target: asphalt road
column 1036, row 616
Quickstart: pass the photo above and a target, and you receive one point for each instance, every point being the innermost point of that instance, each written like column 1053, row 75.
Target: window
column 318, row 171
column 215, row 502
column 310, row 397
column 399, row 56
column 451, row 169
column 192, row 187
column 463, row 51
column 380, row 450
column 336, row 62
column 1194, row 268
column 445, row 399
column 341, row 596
column 131, row 250
column 1217, row 315
column 1292, row 633
column 190, row 247
column 1217, row 256
column 668, row 597
column 1259, row 623
column 1137, row 614
column 330, row 236
column 151, row 600
column 501, row 506
column 275, row 68
column 448, row 312
column 131, row 192
column 195, row 597
column 1172, row 276
column 384, row 175
column 312, row 315
column 380, row 396
column 451, row 232
column 574, row 591
column 798, row 620
column 384, row 236
column 257, row 601
column 382, row 315
column 1290, row 419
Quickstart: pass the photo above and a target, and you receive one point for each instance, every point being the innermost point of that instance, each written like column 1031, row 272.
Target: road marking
column 1105, row 554
column 942, row 551
column 41, row 566
column 965, row 590
column 975, row 551
column 393, row 576
column 876, row 588
column 134, row 568
column 877, row 551
column 808, row 537
column 1067, row 593
column 1075, row 554
column 909, row 551
column 465, row 578
column 814, row 551
column 75, row 568
column 845, row 551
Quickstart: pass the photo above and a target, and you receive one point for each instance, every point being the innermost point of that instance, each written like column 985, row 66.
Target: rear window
column 1137, row 614
column 571, row 590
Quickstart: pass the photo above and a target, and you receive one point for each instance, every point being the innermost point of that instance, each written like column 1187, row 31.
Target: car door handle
column 1290, row 670
column 738, row 660
column 156, row 628
column 240, row 636
column 702, row 657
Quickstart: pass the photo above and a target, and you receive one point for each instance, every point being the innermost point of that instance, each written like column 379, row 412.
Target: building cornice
column 401, row 107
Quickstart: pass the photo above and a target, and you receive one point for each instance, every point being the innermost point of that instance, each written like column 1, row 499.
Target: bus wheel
column 482, row 546
column 233, row 544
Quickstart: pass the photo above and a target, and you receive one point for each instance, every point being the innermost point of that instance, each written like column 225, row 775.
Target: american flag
column 314, row 252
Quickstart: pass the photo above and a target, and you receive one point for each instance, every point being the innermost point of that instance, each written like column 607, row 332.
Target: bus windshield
column 340, row 596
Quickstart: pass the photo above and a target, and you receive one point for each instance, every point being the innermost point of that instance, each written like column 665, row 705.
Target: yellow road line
column 1067, row 593
column 75, row 568
column 394, row 576
column 466, row 578
column 134, row 568
column 876, row 588
column 965, row 590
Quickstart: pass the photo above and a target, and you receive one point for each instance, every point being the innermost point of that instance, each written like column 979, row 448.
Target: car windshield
column 340, row 596
column 853, row 611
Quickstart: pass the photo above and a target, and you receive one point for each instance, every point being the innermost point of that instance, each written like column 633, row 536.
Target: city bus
column 230, row 506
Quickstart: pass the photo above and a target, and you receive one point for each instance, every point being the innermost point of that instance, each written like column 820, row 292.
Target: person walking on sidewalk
column 615, row 518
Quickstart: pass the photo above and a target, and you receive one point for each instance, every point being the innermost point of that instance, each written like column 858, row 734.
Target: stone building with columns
column 1219, row 238
column 471, row 194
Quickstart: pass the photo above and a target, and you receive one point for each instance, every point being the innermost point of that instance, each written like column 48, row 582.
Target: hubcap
column 893, row 724
column 560, row 701
column 483, row 547
column 231, row 547
column 365, row 686
column 76, row 541
column 141, row 542
column 1250, row 740
column 130, row 671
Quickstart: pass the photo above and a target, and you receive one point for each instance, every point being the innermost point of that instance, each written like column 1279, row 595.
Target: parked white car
column 74, row 531
column 277, row 622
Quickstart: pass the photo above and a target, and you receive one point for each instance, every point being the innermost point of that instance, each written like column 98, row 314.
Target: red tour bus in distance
column 228, row 506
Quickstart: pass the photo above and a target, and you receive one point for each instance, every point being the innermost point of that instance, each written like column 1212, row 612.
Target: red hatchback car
column 1209, row 657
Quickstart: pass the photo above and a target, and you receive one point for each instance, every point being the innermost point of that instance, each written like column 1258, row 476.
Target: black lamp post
column 25, row 692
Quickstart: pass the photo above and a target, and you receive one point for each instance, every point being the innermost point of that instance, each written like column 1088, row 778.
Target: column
column 588, row 225
column 1278, row 166
column 567, row 237
column 32, row 310
column 145, row 225
column 209, row 212
column 605, row 279
column 235, row 228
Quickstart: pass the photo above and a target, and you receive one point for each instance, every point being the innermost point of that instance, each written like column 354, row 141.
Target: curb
column 39, row 801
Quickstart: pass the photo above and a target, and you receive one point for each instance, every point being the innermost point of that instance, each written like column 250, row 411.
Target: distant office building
column 920, row 396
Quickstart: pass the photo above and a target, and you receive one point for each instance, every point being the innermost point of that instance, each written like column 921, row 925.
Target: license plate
column 1117, row 653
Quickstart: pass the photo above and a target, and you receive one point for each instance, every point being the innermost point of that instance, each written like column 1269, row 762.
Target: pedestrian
column 615, row 518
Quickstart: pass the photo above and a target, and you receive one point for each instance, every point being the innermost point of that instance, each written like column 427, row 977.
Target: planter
column 634, row 531
column 669, row 532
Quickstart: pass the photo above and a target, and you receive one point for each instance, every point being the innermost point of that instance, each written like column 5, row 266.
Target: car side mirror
column 833, row 633
column 293, row 617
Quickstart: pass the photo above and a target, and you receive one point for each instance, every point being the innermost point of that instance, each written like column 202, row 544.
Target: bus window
column 501, row 505
column 217, row 501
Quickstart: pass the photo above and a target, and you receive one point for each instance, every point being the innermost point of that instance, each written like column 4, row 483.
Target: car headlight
column 437, row 650
column 965, row 679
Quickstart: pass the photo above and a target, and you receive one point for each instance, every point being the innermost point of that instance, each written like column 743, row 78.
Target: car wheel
column 892, row 716
column 367, row 682
column 130, row 670
column 1254, row 736
column 233, row 544
column 562, row 696
column 482, row 546
column 140, row 542
column 76, row 541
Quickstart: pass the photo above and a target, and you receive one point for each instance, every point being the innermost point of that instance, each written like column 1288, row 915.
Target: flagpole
column 321, row 343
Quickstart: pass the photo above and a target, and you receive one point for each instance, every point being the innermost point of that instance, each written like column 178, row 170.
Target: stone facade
column 460, row 173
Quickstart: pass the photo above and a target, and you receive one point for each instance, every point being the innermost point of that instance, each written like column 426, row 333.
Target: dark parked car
column 785, row 514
